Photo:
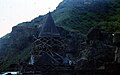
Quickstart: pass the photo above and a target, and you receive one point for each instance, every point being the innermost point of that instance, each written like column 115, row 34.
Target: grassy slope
column 82, row 20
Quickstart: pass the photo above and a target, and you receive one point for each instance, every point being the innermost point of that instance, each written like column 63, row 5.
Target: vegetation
column 16, row 45
column 83, row 19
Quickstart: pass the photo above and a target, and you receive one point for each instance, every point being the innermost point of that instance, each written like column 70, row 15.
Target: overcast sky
column 13, row 12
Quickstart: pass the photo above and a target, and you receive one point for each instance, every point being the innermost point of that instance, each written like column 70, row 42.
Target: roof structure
column 49, row 29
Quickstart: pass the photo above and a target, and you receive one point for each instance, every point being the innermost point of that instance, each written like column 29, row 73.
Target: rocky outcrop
column 98, row 48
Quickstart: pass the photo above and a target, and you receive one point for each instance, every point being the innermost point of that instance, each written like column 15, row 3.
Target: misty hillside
column 72, row 15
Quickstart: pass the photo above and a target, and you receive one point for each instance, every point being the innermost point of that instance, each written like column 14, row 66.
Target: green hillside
column 73, row 15
column 106, row 15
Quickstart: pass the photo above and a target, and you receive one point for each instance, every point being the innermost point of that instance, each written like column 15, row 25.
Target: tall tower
column 49, row 29
column 47, row 48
